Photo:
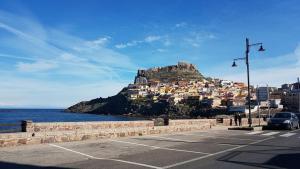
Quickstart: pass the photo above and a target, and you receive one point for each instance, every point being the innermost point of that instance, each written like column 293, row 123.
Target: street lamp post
column 257, row 100
column 248, row 45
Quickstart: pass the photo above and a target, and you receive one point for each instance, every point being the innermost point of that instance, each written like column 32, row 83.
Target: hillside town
column 181, row 91
column 213, row 93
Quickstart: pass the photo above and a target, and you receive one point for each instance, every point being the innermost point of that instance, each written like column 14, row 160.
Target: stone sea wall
column 72, row 126
column 37, row 133
column 255, row 121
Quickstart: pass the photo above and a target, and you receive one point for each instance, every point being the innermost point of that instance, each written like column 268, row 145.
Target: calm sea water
column 50, row 115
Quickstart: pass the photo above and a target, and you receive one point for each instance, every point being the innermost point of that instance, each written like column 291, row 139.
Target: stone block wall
column 36, row 133
column 192, row 122
column 255, row 121
column 71, row 126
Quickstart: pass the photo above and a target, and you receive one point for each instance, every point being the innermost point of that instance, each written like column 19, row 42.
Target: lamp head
column 234, row 64
column 261, row 49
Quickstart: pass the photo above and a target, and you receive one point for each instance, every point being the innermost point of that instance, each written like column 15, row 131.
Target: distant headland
column 177, row 91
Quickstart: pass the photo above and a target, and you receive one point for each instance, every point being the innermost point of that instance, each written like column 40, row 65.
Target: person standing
column 235, row 119
column 240, row 119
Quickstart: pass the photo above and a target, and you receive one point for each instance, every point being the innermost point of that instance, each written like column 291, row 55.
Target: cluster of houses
column 215, row 93
column 286, row 97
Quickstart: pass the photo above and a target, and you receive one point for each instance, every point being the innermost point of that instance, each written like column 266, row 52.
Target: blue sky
column 56, row 53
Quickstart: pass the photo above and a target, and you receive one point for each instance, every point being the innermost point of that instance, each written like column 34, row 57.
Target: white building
column 226, row 83
column 262, row 93
column 291, row 99
column 275, row 103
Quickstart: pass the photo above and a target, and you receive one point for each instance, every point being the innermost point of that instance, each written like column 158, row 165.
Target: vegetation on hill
column 142, row 107
column 121, row 104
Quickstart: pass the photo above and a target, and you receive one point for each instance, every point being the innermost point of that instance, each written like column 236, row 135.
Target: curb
column 255, row 128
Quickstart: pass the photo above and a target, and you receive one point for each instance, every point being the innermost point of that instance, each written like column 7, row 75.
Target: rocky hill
column 182, row 71
column 121, row 103
column 117, row 104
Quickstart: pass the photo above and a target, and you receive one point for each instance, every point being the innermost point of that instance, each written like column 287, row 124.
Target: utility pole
column 248, row 80
column 268, row 92
column 298, row 92
column 246, row 58
column 257, row 99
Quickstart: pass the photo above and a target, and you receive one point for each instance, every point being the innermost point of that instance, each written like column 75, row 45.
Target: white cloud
column 211, row 36
column 161, row 50
column 68, row 57
column 152, row 38
column 98, row 42
column 121, row 46
column 50, row 59
column 272, row 76
column 148, row 39
column 24, row 92
column 195, row 39
column 102, row 41
column 296, row 54
column 16, row 57
column 128, row 44
column 166, row 42
column 7, row 104
column 59, row 43
column 37, row 66
column 274, row 71
column 192, row 42
column 179, row 25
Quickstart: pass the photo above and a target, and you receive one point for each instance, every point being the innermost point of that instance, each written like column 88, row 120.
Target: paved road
column 214, row 148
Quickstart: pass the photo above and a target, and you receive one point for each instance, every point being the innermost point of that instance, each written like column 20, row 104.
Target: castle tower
column 140, row 78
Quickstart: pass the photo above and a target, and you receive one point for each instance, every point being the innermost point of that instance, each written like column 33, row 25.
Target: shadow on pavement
column 289, row 161
column 285, row 161
column 7, row 165
column 291, row 148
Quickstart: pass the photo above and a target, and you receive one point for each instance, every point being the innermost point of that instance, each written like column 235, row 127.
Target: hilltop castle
column 171, row 73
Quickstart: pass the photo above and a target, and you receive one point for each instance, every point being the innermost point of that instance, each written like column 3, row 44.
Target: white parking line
column 230, row 138
column 219, row 133
column 188, row 141
column 287, row 135
column 270, row 133
column 92, row 157
column 163, row 148
column 255, row 132
column 228, row 144
column 213, row 154
column 174, row 139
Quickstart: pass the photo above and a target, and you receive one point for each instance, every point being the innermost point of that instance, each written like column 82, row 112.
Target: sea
column 10, row 119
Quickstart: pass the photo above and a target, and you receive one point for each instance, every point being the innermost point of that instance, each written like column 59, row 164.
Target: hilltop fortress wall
column 181, row 71
column 181, row 66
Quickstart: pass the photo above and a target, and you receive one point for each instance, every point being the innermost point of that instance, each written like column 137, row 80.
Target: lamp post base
column 250, row 121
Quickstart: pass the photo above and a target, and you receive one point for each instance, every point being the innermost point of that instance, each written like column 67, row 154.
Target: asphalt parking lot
column 215, row 148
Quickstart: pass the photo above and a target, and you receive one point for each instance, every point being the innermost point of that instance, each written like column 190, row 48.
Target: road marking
column 167, row 138
column 220, row 137
column 213, row 154
column 110, row 159
column 156, row 147
column 219, row 133
column 270, row 133
column 255, row 132
column 228, row 144
column 287, row 135
column 174, row 139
